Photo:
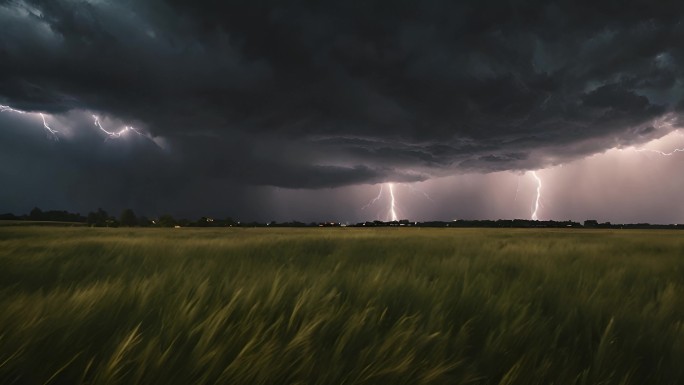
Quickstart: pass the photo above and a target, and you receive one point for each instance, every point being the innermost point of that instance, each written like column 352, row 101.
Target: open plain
column 341, row 306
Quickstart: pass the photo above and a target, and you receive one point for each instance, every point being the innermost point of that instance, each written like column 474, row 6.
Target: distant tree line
column 520, row 223
column 39, row 215
column 128, row 218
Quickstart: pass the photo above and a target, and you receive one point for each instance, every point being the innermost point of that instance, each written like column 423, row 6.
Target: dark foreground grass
column 341, row 306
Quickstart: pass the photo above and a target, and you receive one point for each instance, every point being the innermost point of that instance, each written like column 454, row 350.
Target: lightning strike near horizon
column 537, row 200
column 392, row 211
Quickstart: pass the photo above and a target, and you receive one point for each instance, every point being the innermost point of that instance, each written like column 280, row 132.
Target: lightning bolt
column 50, row 130
column 659, row 124
column 372, row 202
column 392, row 211
column 111, row 134
column 517, row 189
column 537, row 200
column 52, row 133
column 663, row 153
column 668, row 122
column 417, row 191
column 4, row 108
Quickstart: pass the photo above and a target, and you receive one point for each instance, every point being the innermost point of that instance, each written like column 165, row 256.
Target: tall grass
column 340, row 306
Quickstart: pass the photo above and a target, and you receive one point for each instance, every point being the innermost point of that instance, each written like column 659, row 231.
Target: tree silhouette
column 128, row 218
column 98, row 219
column 167, row 221
column 143, row 221
column 36, row 214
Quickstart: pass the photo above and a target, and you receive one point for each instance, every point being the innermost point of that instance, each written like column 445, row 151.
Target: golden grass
column 340, row 306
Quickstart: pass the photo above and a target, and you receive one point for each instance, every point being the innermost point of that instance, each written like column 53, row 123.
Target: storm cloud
column 310, row 95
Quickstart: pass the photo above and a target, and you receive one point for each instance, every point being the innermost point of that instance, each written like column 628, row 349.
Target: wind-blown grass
column 340, row 306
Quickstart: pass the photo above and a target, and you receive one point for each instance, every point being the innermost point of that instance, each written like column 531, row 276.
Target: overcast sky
column 307, row 110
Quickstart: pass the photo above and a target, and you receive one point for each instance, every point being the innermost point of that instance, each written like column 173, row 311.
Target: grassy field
column 340, row 306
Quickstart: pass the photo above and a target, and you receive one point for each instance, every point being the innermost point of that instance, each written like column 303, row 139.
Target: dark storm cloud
column 317, row 94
